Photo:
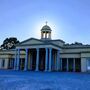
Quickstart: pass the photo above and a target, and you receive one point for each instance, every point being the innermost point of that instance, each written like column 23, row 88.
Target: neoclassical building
column 46, row 54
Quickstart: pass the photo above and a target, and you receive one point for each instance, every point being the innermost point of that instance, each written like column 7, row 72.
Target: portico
column 37, row 59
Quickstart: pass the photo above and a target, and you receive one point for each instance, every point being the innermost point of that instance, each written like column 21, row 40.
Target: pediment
column 31, row 41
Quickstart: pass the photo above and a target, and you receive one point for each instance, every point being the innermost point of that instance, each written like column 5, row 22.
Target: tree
column 9, row 43
column 77, row 43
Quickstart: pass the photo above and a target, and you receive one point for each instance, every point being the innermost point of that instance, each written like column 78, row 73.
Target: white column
column 73, row 64
column 46, row 59
column 50, row 35
column 37, row 60
column 26, row 60
column 84, row 64
column 57, row 62
column 50, row 59
column 67, row 64
column 41, row 34
column 15, row 60
column 18, row 60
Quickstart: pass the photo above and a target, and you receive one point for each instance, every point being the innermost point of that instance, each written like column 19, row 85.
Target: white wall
column 6, row 64
column 83, row 65
column 0, row 63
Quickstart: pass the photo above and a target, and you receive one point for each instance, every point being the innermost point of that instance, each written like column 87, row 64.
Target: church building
column 46, row 54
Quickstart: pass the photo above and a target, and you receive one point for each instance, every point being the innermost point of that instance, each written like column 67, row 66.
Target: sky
column 68, row 19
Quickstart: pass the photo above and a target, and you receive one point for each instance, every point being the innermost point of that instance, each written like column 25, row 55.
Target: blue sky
column 68, row 19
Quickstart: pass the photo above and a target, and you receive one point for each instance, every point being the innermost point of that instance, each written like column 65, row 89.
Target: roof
column 46, row 28
column 75, row 46
column 43, row 42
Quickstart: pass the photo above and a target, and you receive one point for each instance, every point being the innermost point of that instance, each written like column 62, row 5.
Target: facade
column 46, row 54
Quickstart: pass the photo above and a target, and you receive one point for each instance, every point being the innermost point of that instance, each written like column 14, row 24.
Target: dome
column 46, row 28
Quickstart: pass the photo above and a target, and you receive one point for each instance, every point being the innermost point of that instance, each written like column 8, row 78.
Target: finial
column 46, row 22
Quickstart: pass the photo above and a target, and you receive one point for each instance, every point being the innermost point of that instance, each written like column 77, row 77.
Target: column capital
column 50, row 48
column 26, row 49
column 37, row 49
column 58, row 50
column 46, row 48
column 15, row 49
column 18, row 48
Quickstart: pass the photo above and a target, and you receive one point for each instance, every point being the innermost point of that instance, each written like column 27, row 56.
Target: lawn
column 20, row 80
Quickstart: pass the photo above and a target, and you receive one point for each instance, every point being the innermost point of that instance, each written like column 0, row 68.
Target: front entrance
column 32, row 59
column 41, row 64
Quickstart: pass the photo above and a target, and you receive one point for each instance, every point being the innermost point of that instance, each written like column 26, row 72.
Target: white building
column 46, row 54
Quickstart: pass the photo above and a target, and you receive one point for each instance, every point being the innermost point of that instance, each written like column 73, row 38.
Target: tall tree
column 9, row 43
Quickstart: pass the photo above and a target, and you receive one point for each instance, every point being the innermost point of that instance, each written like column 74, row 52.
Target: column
column 67, row 64
column 41, row 34
column 50, row 59
column 46, row 59
column 37, row 60
column 49, row 35
column 73, row 64
column 18, row 60
column 15, row 60
column 61, row 64
column 26, row 60
column 57, row 62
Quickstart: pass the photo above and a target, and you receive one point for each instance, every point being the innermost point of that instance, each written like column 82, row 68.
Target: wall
column 83, row 65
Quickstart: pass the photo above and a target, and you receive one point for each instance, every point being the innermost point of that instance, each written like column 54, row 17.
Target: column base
column 49, row 70
column 25, row 69
column 45, row 70
column 36, row 70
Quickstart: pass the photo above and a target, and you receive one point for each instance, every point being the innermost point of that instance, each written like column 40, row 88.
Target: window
column 3, row 62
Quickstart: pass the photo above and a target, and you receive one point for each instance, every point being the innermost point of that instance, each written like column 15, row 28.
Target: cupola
column 46, row 32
